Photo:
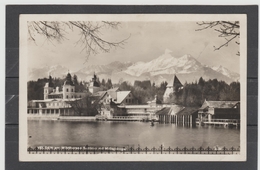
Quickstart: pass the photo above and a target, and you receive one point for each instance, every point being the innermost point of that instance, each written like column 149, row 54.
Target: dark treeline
column 144, row 91
column 35, row 88
column 194, row 94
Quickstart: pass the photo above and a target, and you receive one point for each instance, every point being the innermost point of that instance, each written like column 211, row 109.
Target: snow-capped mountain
column 186, row 67
column 45, row 71
column 226, row 72
column 165, row 64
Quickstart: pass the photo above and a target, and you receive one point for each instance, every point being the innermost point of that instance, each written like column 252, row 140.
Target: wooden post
column 191, row 123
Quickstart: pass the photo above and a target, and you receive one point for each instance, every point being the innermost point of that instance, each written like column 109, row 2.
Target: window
column 80, row 96
column 126, row 100
column 67, row 96
column 67, row 90
column 71, row 90
column 72, row 96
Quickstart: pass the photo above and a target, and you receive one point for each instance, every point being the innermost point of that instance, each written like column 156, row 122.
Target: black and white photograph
column 132, row 87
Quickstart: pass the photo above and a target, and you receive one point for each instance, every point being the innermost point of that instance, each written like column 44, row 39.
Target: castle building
column 68, row 90
column 171, row 89
column 58, row 101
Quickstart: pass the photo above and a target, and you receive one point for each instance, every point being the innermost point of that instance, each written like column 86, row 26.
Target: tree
column 90, row 36
column 86, row 106
column 109, row 84
column 75, row 80
column 226, row 29
column 103, row 82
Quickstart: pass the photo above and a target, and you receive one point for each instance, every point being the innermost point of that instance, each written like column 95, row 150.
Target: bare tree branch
column 225, row 28
column 89, row 38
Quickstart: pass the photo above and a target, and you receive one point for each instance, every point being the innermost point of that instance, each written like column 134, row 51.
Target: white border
column 24, row 156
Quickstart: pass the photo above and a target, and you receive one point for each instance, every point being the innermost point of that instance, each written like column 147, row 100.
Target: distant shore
column 76, row 118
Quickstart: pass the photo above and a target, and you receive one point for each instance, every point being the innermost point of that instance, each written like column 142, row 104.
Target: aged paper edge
column 24, row 156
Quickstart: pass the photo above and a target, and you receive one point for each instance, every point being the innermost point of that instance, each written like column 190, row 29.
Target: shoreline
column 76, row 118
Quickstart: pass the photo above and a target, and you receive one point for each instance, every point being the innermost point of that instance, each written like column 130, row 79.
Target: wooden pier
column 219, row 122
column 127, row 118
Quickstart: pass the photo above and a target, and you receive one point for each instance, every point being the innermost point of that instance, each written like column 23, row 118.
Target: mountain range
column 187, row 69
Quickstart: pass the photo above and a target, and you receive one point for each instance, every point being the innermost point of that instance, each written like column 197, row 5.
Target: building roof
column 99, row 93
column 219, row 104
column 121, row 95
column 53, row 100
column 173, row 110
column 113, row 89
column 176, row 83
column 113, row 93
column 188, row 111
column 139, row 106
column 164, row 111
column 68, row 80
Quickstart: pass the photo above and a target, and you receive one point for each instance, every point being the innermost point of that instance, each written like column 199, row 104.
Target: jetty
column 219, row 122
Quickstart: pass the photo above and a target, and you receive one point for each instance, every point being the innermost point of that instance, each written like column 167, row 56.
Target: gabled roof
column 164, row 111
column 219, row 104
column 176, row 83
column 113, row 93
column 100, row 93
column 188, row 111
column 173, row 110
column 113, row 89
column 121, row 95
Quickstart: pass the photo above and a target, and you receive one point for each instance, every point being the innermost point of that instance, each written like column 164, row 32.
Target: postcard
column 132, row 87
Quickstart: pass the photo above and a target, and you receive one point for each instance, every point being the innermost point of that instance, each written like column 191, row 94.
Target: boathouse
column 211, row 111
column 179, row 115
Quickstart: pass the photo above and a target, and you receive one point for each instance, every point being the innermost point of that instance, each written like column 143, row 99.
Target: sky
column 147, row 41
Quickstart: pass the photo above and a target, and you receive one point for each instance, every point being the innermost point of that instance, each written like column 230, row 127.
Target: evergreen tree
column 75, row 80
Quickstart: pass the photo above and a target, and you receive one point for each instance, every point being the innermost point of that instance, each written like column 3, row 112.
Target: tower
column 94, row 85
column 48, row 88
column 68, row 88
column 172, row 88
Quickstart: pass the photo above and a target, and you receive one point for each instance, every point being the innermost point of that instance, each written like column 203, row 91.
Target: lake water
column 108, row 133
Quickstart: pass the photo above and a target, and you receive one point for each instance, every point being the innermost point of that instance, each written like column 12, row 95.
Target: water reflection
column 101, row 133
